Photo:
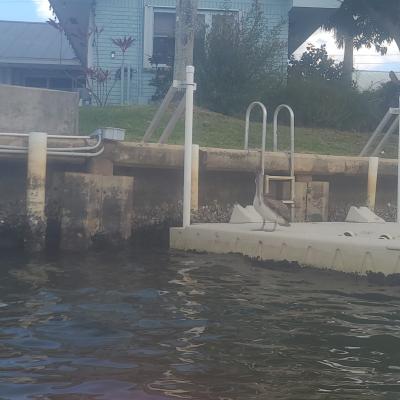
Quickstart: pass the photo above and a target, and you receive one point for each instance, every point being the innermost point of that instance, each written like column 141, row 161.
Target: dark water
column 172, row 325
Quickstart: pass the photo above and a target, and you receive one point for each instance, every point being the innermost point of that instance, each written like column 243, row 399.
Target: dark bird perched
column 270, row 210
column 280, row 208
column 394, row 78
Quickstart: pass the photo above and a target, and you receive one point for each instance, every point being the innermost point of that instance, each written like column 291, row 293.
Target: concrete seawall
column 225, row 177
column 26, row 110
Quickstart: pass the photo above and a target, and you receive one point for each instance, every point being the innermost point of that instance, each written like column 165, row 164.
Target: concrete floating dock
column 346, row 247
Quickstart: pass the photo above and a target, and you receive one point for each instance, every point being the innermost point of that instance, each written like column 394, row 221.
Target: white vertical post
column 187, row 184
column 373, row 165
column 398, row 173
column 195, row 177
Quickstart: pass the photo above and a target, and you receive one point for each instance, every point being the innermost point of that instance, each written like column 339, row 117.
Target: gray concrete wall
column 25, row 110
column 157, row 194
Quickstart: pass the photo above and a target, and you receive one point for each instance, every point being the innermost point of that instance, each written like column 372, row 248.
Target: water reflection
column 153, row 326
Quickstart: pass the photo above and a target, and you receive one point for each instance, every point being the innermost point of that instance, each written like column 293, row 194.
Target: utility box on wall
column 312, row 201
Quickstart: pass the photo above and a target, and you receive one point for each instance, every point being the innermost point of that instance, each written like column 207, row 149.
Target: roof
column 34, row 43
column 74, row 17
column 317, row 3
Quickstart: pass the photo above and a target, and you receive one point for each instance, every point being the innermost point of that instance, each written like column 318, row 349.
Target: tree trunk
column 348, row 61
column 186, row 17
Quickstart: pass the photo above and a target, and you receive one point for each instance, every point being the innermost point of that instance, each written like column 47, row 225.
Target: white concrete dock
column 371, row 248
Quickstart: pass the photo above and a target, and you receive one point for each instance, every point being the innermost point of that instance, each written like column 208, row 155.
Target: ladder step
column 288, row 202
column 395, row 111
column 279, row 178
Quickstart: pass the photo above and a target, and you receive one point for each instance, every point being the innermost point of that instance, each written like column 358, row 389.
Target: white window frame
column 148, row 33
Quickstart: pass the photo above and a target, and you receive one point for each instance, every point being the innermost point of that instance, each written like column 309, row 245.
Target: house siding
column 119, row 18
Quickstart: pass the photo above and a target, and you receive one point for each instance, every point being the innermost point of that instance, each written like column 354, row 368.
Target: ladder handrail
column 378, row 130
column 388, row 134
column 292, row 133
column 264, row 131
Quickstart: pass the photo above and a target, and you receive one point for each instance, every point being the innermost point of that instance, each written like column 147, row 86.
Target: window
column 60, row 84
column 36, row 82
column 159, row 33
column 163, row 38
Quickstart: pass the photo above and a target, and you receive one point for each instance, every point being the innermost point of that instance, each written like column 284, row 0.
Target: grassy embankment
column 216, row 130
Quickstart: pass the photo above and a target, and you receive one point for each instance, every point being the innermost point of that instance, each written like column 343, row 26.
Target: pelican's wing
column 278, row 207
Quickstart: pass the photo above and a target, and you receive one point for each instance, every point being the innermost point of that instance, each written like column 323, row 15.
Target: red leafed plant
column 124, row 43
column 101, row 81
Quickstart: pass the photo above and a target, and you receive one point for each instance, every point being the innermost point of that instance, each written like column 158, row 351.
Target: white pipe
column 7, row 151
column 14, row 134
column 398, row 175
column 8, row 134
column 65, row 149
column 56, row 153
column 72, row 137
column 187, row 184
column 73, row 154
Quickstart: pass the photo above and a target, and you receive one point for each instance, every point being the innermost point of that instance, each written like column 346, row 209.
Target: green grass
column 216, row 130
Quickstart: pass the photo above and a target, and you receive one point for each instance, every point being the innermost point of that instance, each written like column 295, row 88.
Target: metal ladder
column 263, row 137
column 268, row 178
column 285, row 178
column 379, row 138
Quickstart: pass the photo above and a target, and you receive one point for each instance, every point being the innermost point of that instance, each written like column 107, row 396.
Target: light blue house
column 152, row 23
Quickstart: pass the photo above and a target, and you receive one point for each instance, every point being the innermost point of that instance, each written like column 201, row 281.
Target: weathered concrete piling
column 36, row 191
column 95, row 206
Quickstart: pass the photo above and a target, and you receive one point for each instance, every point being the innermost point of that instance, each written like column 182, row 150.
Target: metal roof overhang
column 306, row 17
column 317, row 3
column 44, row 62
column 74, row 17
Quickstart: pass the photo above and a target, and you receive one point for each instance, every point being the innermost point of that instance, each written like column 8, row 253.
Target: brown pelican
column 270, row 210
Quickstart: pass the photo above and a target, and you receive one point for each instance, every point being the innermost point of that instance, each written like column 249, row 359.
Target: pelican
column 270, row 210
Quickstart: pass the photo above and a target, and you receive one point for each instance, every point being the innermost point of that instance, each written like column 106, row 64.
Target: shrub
column 239, row 62
column 315, row 64
column 320, row 104
column 316, row 92
column 236, row 61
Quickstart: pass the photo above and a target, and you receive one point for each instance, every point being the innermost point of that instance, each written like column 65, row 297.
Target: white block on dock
column 255, row 216
column 241, row 215
column 363, row 215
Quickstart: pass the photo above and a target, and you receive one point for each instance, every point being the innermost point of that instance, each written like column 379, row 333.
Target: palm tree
column 343, row 24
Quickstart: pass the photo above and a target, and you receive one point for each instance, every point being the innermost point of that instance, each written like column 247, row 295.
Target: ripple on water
column 152, row 326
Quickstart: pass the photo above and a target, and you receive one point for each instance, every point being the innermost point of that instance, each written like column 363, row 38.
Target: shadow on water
column 152, row 325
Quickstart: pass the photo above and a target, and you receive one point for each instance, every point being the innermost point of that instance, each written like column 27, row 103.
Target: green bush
column 315, row 64
column 239, row 62
column 319, row 97
column 320, row 104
